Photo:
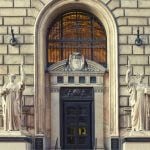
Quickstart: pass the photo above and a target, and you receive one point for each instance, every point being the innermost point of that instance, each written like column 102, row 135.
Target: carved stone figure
column 76, row 62
column 11, row 94
column 137, row 100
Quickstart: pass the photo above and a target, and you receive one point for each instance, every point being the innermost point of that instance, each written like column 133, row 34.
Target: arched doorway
column 47, row 16
column 76, row 32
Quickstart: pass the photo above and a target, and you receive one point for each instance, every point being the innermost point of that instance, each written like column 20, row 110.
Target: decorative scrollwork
column 77, row 93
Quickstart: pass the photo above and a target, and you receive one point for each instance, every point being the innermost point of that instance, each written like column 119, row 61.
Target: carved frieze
column 77, row 92
column 70, row 66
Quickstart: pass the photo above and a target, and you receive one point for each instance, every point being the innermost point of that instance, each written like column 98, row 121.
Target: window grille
column 76, row 31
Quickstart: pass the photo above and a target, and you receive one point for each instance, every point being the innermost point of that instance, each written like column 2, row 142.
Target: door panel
column 77, row 125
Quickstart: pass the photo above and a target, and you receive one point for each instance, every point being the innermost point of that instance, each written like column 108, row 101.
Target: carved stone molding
column 54, row 89
column 93, row 67
column 99, row 89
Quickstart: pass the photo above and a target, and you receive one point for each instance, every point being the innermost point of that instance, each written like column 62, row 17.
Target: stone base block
column 15, row 143
column 136, row 143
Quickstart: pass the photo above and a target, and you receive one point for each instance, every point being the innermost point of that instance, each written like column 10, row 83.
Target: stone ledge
column 15, row 136
column 136, row 139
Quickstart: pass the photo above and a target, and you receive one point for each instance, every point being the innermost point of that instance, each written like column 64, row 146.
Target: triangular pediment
column 91, row 67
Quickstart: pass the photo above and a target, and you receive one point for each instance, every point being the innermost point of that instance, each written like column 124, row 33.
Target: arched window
column 76, row 31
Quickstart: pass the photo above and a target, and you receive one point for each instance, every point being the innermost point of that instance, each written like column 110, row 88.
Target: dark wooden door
column 76, row 126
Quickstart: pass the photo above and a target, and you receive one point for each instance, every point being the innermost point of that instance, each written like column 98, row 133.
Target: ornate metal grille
column 76, row 31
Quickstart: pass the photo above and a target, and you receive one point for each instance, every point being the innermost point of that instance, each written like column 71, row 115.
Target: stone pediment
column 92, row 67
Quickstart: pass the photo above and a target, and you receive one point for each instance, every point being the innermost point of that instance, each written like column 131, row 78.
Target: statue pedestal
column 14, row 140
column 137, row 140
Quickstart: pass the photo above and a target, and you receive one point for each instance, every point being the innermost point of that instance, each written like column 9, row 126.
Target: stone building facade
column 30, row 20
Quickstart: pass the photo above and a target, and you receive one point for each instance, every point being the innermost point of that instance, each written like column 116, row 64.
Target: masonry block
column 147, row 70
column 27, row 30
column 13, row 59
column 6, row 3
column 137, row 21
column 37, row 4
column 137, row 12
column 13, row 49
column 12, row 12
column 124, row 101
column 125, row 30
column 123, row 119
column 13, row 21
column 118, row 12
column 3, row 69
column 123, row 39
column 29, row 38
column 128, row 3
column 29, row 21
column 122, row 80
column 14, row 69
column 147, row 49
column 3, row 30
column 32, row 12
column 1, row 59
column 124, row 91
column 29, row 90
column 1, row 21
column 1, row 80
column 3, row 49
column 114, row 4
column 123, row 59
column 27, row 49
column 29, row 59
column 145, row 80
column 121, row 21
column 29, row 69
column 138, row 59
column 144, row 3
column 138, row 49
column 138, row 69
column 1, row 38
column 29, row 100
column 146, row 30
column 125, row 49
column 122, row 70
column 21, row 3
column 29, row 80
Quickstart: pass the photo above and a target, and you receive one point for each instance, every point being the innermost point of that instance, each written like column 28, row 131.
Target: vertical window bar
column 91, row 21
column 61, row 37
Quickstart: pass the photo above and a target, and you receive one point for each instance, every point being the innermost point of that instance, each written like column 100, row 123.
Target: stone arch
column 46, row 16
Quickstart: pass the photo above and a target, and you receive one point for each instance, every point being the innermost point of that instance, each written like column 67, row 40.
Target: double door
column 76, row 125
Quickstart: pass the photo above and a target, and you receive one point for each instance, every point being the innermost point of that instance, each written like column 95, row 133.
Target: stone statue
column 11, row 94
column 137, row 100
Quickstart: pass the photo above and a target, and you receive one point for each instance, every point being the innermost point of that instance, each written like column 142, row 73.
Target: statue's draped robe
column 12, row 98
column 138, row 105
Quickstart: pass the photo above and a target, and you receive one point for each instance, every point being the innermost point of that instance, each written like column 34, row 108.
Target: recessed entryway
column 76, row 118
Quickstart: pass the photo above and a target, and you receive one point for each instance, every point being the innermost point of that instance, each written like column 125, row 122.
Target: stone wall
column 22, row 14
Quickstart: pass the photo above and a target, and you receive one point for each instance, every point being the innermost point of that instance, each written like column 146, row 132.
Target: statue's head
column 140, row 78
column 12, row 77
